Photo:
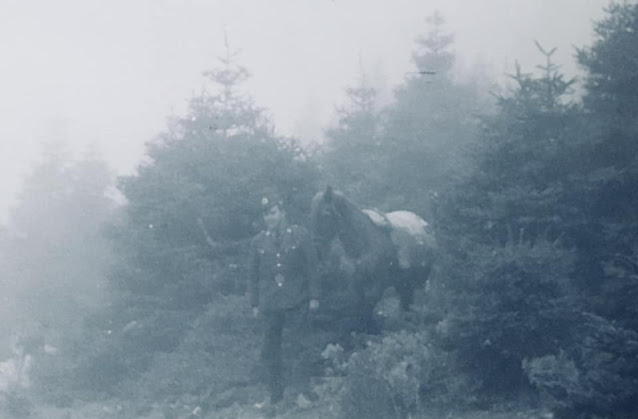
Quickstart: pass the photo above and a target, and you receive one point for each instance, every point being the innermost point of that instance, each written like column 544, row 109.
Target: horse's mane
column 346, row 208
column 357, row 226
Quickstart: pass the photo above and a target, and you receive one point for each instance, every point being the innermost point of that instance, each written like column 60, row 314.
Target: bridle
column 328, row 212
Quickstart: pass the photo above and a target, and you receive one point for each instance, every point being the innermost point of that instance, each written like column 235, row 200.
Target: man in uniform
column 283, row 287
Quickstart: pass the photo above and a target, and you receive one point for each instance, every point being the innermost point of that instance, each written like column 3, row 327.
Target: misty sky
column 109, row 72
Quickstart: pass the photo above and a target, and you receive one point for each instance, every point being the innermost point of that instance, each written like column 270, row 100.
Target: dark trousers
column 286, row 332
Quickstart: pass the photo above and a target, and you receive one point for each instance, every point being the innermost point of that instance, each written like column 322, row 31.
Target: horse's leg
column 360, row 303
column 364, row 307
column 367, row 321
column 406, row 293
column 408, row 281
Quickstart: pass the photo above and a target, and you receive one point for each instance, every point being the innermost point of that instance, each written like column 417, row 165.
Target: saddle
column 409, row 233
column 378, row 218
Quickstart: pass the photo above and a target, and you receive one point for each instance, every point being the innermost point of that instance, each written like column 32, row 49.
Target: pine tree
column 610, row 178
column 58, row 267
column 191, row 209
column 505, row 289
column 525, row 160
column 428, row 129
column 57, row 261
column 433, row 55
column 598, row 374
column 352, row 155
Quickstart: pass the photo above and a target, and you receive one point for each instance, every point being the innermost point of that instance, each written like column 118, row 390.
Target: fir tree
column 191, row 209
column 427, row 130
column 609, row 177
column 506, row 276
column 353, row 153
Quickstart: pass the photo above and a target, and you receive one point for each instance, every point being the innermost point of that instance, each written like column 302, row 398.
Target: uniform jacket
column 283, row 269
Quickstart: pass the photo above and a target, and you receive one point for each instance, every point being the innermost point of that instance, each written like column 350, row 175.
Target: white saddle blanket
column 410, row 235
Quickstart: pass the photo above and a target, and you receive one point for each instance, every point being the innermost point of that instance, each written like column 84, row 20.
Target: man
column 283, row 287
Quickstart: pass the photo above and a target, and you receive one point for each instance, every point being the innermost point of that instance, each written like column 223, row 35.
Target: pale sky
column 110, row 72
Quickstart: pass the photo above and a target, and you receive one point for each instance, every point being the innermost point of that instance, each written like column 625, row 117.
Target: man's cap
column 269, row 201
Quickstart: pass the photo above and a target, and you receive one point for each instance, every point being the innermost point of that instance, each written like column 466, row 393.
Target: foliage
column 212, row 362
column 611, row 69
column 611, row 159
column 519, row 231
column 598, row 375
column 523, row 161
column 400, row 156
column 540, row 235
column 398, row 375
column 353, row 153
column 428, row 129
column 502, row 305
column 56, row 269
column 503, row 293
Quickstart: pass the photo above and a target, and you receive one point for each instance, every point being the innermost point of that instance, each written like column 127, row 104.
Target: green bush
column 217, row 354
column 500, row 305
column 399, row 375
column 598, row 375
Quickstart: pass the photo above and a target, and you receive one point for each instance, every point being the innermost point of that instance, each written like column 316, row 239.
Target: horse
column 375, row 250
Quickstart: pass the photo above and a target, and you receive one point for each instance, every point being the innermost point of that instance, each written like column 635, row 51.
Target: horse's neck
column 353, row 245
column 358, row 233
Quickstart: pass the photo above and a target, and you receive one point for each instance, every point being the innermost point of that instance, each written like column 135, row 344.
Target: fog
column 156, row 229
column 110, row 73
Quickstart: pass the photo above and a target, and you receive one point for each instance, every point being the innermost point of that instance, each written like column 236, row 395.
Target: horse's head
column 326, row 218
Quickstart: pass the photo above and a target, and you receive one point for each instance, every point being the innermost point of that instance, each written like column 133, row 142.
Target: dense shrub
column 500, row 305
column 218, row 353
column 596, row 375
column 398, row 375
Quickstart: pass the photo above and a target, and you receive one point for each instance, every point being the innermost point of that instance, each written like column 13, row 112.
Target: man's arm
column 314, row 285
column 253, row 280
